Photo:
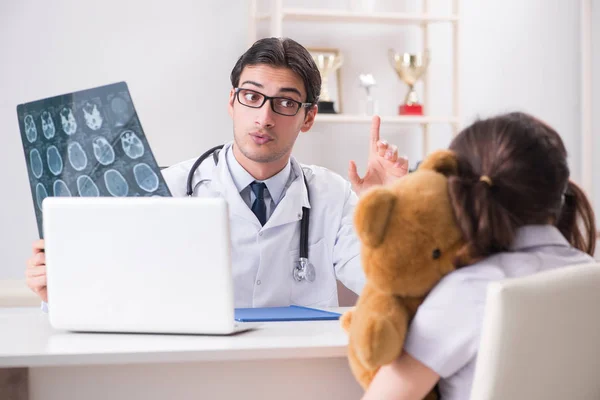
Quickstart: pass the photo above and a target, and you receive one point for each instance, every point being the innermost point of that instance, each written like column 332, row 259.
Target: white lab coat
column 263, row 256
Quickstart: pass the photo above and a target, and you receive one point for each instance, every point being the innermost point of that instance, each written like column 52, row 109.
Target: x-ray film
column 87, row 143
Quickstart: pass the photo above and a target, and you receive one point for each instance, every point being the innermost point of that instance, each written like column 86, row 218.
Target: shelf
column 292, row 14
column 395, row 119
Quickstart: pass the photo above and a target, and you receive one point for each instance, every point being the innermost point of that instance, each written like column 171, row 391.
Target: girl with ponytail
column 520, row 214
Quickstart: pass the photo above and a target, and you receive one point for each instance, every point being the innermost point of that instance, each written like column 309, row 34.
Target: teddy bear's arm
column 346, row 320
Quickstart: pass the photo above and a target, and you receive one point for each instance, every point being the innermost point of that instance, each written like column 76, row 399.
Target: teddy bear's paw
column 362, row 374
column 346, row 320
column 380, row 345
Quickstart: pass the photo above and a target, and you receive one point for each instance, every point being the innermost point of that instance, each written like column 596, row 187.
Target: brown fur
column 400, row 226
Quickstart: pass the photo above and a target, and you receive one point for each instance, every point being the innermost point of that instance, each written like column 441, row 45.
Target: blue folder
column 291, row 313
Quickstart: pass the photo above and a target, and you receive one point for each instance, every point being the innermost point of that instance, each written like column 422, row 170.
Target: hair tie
column 486, row 179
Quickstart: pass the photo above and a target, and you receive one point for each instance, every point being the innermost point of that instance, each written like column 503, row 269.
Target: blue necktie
column 259, row 208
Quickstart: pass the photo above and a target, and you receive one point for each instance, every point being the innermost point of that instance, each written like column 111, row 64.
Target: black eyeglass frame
column 265, row 98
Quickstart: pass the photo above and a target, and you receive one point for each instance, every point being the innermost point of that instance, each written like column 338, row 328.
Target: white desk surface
column 28, row 340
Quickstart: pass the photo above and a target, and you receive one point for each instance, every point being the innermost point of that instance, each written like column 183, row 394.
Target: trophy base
column 412, row 109
column 326, row 107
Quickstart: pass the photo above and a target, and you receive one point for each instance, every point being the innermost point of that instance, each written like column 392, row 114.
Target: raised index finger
column 375, row 123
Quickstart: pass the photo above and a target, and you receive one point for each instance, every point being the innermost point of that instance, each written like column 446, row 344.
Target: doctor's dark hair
column 282, row 53
column 513, row 171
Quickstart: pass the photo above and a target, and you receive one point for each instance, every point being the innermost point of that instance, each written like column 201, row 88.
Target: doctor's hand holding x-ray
column 274, row 95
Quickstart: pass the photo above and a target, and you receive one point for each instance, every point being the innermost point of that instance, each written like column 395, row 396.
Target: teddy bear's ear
column 373, row 214
column 442, row 161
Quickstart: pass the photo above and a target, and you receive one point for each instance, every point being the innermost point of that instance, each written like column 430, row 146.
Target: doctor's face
column 261, row 134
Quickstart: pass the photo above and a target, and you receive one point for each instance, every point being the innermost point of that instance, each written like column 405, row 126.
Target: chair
column 541, row 337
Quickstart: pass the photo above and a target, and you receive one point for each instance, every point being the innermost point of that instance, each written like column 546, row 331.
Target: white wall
column 177, row 56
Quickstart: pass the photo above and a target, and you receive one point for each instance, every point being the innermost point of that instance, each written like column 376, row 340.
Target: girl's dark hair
column 512, row 171
column 286, row 53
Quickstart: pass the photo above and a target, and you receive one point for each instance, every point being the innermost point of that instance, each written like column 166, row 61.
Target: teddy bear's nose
column 436, row 254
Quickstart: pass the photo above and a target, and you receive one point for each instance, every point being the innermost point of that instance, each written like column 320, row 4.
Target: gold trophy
column 328, row 61
column 410, row 68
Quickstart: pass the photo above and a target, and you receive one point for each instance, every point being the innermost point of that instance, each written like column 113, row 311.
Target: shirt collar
column 538, row 235
column 242, row 178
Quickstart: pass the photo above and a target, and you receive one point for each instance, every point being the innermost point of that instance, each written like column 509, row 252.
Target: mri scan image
column 92, row 116
column 145, row 177
column 36, row 164
column 55, row 162
column 60, row 189
column 67, row 119
column 86, row 187
column 77, row 156
column 48, row 125
column 103, row 151
column 132, row 145
column 40, row 194
column 115, row 183
column 30, row 129
column 90, row 143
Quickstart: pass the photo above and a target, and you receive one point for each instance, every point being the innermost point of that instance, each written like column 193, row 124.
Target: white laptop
column 139, row 264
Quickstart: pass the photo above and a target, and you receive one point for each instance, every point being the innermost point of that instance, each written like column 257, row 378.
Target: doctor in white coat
column 274, row 95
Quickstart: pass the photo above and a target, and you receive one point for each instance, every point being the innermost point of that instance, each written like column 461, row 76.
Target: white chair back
column 541, row 337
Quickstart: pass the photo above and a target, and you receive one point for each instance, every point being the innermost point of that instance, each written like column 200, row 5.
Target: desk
column 279, row 360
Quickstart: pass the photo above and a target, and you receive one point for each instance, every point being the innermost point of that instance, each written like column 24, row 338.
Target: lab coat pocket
column 322, row 290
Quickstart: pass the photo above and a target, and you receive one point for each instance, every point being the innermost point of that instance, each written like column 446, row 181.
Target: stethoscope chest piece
column 304, row 270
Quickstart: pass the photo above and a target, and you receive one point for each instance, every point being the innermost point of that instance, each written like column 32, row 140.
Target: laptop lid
column 145, row 264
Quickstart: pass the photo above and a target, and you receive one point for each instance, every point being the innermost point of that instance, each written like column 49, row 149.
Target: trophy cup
column 367, row 81
column 328, row 61
column 410, row 68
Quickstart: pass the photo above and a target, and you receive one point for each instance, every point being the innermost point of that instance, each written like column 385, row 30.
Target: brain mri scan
column 40, row 194
column 55, row 163
column 30, row 129
column 145, row 177
column 48, row 125
column 103, row 151
column 132, row 145
column 77, row 156
column 36, row 164
column 60, row 189
column 115, row 183
column 67, row 119
column 92, row 116
column 86, row 187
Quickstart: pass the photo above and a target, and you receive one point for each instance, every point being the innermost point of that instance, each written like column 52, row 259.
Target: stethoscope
column 303, row 269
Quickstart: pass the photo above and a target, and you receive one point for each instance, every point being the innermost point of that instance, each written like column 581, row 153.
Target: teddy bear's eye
column 436, row 254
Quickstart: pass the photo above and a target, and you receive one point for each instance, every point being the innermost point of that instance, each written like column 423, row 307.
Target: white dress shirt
column 276, row 185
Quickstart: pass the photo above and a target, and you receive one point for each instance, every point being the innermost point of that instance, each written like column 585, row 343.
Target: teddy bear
column 410, row 240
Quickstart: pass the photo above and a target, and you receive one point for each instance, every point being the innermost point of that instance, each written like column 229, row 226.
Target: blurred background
column 487, row 57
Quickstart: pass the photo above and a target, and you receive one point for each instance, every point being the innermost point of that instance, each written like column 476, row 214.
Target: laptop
column 139, row 265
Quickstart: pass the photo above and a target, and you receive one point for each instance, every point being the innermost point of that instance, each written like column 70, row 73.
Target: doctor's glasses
column 279, row 105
